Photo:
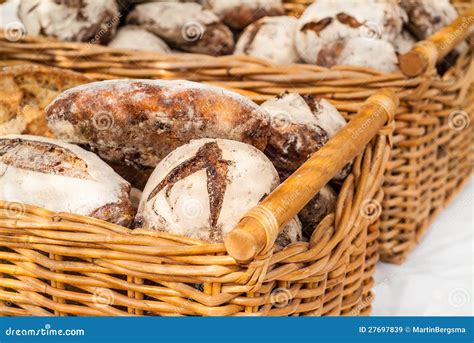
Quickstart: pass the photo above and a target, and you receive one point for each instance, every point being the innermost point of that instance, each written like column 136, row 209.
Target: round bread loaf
column 138, row 122
column 186, row 26
column 425, row 17
column 137, row 38
column 237, row 14
column 300, row 125
column 25, row 90
column 326, row 21
column 272, row 38
column 63, row 178
column 70, row 20
column 202, row 189
column 320, row 206
column 362, row 52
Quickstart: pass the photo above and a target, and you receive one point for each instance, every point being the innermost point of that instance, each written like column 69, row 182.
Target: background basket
column 64, row 264
column 431, row 159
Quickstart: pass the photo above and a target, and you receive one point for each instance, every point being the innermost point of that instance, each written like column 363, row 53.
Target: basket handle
column 426, row 53
column 257, row 231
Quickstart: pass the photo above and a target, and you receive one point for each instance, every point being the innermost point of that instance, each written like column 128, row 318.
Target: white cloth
column 437, row 278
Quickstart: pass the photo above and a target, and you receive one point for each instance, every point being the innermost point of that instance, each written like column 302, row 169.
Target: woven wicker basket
column 64, row 264
column 431, row 158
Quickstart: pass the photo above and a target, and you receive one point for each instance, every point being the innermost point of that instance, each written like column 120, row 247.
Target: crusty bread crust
column 138, row 122
column 25, row 90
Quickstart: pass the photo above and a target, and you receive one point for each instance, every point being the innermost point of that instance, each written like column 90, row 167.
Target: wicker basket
column 430, row 160
column 65, row 264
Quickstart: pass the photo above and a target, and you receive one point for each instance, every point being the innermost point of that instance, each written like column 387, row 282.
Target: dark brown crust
column 216, row 40
column 136, row 176
column 208, row 157
column 329, row 55
column 421, row 22
column 316, row 26
column 120, row 213
column 291, row 144
column 348, row 20
column 148, row 121
column 315, row 211
column 239, row 17
column 252, row 32
column 42, row 157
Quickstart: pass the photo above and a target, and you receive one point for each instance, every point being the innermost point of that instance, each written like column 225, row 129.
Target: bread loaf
column 138, row 122
column 404, row 42
column 137, row 38
column 63, row 178
column 237, row 14
column 271, row 38
column 25, row 90
column 299, row 127
column 70, row 20
column 202, row 189
column 425, row 17
column 326, row 21
column 186, row 26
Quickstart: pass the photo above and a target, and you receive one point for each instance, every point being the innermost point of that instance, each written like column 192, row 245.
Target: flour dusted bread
column 63, row 178
column 202, row 189
column 25, row 90
column 362, row 52
column 137, row 38
column 300, row 125
column 138, row 122
column 71, row 20
column 237, row 14
column 271, row 38
column 186, row 26
column 326, row 21
column 425, row 17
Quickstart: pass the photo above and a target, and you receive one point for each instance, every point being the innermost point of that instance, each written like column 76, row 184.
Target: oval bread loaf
column 202, row 189
column 62, row 177
column 186, row 26
column 138, row 122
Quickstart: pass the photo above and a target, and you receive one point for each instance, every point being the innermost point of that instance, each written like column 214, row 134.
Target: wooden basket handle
column 257, row 231
column 426, row 53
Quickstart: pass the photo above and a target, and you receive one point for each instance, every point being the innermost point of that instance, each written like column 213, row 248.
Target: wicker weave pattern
column 63, row 264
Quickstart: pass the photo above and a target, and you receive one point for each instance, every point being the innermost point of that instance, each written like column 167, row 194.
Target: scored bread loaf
column 186, row 26
column 202, row 189
column 62, row 177
column 78, row 21
column 138, row 122
column 25, row 90
column 325, row 21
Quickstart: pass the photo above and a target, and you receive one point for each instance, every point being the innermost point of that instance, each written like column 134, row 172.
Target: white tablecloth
column 437, row 278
